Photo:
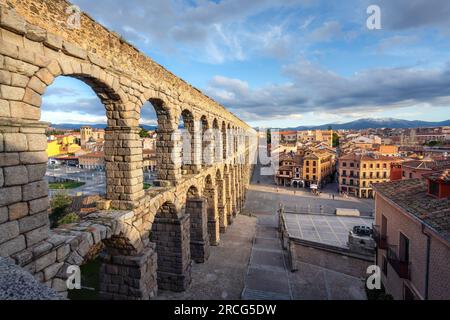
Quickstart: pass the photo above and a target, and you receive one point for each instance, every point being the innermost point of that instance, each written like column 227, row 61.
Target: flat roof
column 327, row 229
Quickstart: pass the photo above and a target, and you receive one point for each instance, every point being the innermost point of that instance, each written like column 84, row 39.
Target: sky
column 283, row 63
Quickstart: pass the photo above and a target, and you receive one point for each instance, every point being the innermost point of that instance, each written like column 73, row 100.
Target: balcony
column 402, row 268
column 380, row 240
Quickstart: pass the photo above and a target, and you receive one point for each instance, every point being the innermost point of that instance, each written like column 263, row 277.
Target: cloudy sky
column 282, row 63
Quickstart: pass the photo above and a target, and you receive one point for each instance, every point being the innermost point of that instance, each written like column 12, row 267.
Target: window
column 314, row 163
column 378, row 165
column 344, row 164
column 403, row 174
column 307, row 177
column 384, row 166
column 314, row 178
column 403, row 248
column 352, row 164
column 307, row 162
column 410, row 175
column 364, row 184
column 314, row 170
column 383, row 230
column 364, row 166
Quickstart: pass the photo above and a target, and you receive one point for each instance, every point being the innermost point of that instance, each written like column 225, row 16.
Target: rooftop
column 411, row 195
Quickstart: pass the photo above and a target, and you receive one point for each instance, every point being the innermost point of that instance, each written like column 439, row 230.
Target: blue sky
column 283, row 63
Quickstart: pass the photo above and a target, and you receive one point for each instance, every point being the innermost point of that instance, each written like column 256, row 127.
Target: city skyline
column 303, row 62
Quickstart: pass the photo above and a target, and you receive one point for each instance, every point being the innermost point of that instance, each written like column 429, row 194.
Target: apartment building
column 318, row 167
column 412, row 231
column 357, row 172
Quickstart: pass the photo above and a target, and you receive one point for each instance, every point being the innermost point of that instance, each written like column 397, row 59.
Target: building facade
column 412, row 232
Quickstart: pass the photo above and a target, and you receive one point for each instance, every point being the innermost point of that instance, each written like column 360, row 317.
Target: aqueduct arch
column 133, row 223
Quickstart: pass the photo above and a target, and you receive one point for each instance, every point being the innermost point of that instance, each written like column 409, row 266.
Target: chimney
column 439, row 184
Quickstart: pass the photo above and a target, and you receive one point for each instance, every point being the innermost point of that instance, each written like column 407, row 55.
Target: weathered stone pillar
column 221, row 205
column 228, row 198
column 129, row 277
column 24, row 199
column 124, row 175
column 168, row 153
column 172, row 239
column 213, row 216
column 197, row 210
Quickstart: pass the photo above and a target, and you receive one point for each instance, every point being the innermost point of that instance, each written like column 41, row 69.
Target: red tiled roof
column 411, row 195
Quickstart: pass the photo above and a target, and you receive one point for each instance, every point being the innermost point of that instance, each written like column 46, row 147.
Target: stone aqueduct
column 149, row 237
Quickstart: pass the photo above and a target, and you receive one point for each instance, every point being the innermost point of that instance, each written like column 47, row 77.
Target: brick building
column 413, row 236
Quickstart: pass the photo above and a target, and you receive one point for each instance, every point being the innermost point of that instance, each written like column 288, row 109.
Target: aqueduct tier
column 149, row 238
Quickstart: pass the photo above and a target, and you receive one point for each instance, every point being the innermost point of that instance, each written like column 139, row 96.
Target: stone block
column 39, row 205
column 9, row 231
column 37, row 85
column 33, row 222
column 33, row 157
column 35, row 33
column 74, row 50
column 32, row 98
column 13, row 246
column 45, row 261
column 9, row 159
column 18, row 80
column 53, row 41
column 10, row 195
column 9, row 49
column 37, row 142
column 15, row 142
column 11, row 20
column 4, row 108
column 18, row 211
column 51, row 271
column 23, row 110
column 3, row 214
column 15, row 175
column 36, row 235
column 5, row 77
column 12, row 93
column 36, row 172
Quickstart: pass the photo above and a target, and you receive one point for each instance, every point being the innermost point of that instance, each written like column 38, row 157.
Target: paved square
column 327, row 229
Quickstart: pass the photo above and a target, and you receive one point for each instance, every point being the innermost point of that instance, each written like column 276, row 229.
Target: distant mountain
column 370, row 123
column 74, row 126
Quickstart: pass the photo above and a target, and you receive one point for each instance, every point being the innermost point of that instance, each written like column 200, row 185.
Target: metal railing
column 402, row 268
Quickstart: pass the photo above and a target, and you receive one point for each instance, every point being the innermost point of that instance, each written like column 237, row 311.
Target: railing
column 402, row 268
column 380, row 240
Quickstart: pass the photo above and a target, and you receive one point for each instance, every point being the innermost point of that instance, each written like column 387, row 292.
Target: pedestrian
column 333, row 196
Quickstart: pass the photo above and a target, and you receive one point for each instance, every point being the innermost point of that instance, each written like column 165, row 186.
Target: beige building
column 357, row 173
column 318, row 167
column 413, row 237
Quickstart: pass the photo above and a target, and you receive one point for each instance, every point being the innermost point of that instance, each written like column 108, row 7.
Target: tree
column 60, row 205
column 269, row 136
column 143, row 133
column 335, row 139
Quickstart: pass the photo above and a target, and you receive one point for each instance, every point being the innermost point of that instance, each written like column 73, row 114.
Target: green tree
column 335, row 139
column 143, row 133
column 269, row 136
column 60, row 205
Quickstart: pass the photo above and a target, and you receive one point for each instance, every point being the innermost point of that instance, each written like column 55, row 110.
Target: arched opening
column 78, row 108
column 196, row 208
column 207, row 142
column 170, row 233
column 217, row 141
column 188, row 156
column 224, row 141
column 166, row 157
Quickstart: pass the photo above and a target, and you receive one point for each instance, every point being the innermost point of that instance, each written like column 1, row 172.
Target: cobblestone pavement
column 222, row 276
